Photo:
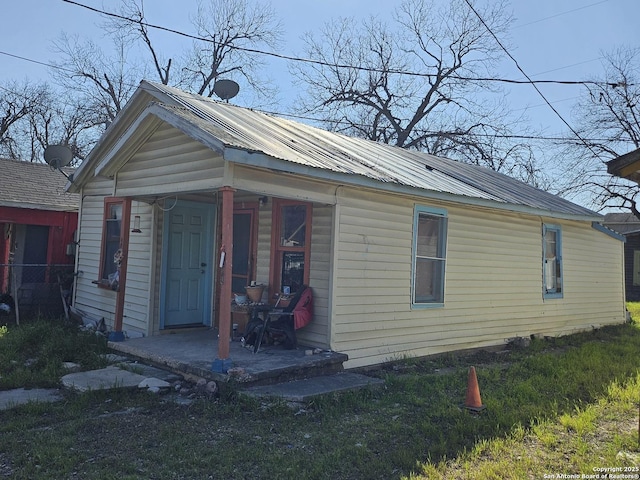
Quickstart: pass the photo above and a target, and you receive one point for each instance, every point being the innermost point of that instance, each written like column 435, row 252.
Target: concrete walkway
column 125, row 373
column 120, row 375
column 305, row 389
column 21, row 396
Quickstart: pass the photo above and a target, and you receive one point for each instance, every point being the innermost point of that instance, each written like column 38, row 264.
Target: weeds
column 33, row 353
column 562, row 405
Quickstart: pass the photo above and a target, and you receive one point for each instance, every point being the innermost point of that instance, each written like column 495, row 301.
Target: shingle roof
column 34, row 186
column 302, row 144
column 622, row 222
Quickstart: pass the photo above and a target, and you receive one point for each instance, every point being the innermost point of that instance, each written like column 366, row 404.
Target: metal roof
column 35, row 186
column 301, row 144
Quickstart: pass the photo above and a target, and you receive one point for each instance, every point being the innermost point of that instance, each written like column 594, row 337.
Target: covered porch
column 206, row 247
column 192, row 352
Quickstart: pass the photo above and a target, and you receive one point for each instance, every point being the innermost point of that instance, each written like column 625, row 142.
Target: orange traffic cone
column 473, row 401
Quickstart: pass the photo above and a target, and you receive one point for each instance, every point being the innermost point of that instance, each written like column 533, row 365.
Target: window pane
column 552, row 262
column 429, row 281
column 550, row 244
column 292, row 230
column 109, row 266
column 428, row 236
column 113, row 229
column 292, row 270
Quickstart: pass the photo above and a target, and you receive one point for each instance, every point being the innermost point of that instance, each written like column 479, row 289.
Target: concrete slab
column 103, row 379
column 21, row 396
column 194, row 352
column 304, row 390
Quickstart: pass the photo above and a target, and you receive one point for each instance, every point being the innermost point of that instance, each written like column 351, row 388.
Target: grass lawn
column 565, row 406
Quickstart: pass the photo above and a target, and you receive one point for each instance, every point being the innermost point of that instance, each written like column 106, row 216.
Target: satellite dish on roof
column 226, row 89
column 58, row 156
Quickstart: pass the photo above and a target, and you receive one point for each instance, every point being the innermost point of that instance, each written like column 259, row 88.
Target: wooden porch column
column 122, row 276
column 223, row 362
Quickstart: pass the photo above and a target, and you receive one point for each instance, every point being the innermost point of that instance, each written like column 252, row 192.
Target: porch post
column 223, row 362
column 117, row 335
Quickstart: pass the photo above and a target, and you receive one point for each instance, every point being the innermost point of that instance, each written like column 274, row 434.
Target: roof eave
column 626, row 166
column 103, row 145
column 39, row 206
column 253, row 159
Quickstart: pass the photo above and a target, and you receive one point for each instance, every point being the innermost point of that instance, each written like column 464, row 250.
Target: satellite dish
column 226, row 89
column 58, row 156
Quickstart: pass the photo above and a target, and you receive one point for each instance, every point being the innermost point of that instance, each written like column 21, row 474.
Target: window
column 636, row 268
column 429, row 256
column 116, row 214
column 552, row 261
column 291, row 244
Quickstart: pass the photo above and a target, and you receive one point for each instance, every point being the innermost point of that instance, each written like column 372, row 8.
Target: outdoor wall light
column 136, row 225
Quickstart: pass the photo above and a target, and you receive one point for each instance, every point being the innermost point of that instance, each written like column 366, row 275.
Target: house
column 628, row 225
column 626, row 166
column 186, row 200
column 38, row 220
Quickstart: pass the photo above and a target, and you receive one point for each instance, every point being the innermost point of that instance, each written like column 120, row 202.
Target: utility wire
column 337, row 65
column 586, row 144
column 561, row 13
column 557, row 138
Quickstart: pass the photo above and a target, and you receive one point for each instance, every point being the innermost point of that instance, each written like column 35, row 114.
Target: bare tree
column 66, row 121
column 608, row 118
column 36, row 116
column 17, row 102
column 416, row 83
column 103, row 82
column 229, row 33
column 131, row 24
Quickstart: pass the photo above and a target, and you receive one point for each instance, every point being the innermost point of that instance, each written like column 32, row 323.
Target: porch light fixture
column 136, row 224
column 263, row 201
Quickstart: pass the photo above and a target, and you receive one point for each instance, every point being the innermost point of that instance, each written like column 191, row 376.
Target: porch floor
column 193, row 352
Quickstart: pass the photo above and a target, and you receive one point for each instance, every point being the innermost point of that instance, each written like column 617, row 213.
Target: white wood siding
column 170, row 162
column 88, row 297
column 101, row 302
column 317, row 332
column 493, row 288
column 137, row 308
column 264, row 244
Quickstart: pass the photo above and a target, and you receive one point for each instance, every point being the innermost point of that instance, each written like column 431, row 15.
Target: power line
column 339, row 65
column 561, row 13
column 532, row 84
column 320, row 120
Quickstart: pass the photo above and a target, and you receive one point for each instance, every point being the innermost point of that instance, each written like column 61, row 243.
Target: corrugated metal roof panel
column 304, row 145
column 299, row 143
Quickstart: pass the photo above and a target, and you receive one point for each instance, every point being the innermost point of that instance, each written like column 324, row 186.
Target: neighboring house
column 628, row 166
column 628, row 224
column 407, row 254
column 38, row 220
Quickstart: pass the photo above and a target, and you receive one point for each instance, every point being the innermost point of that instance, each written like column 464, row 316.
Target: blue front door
column 187, row 267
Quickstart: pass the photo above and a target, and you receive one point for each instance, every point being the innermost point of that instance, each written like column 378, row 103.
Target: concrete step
column 308, row 388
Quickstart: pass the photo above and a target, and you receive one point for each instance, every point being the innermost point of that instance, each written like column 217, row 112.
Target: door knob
column 203, row 264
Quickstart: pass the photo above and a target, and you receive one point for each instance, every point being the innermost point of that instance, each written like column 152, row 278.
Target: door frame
column 209, row 282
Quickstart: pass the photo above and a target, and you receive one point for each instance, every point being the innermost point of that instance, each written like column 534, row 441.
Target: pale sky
column 551, row 39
